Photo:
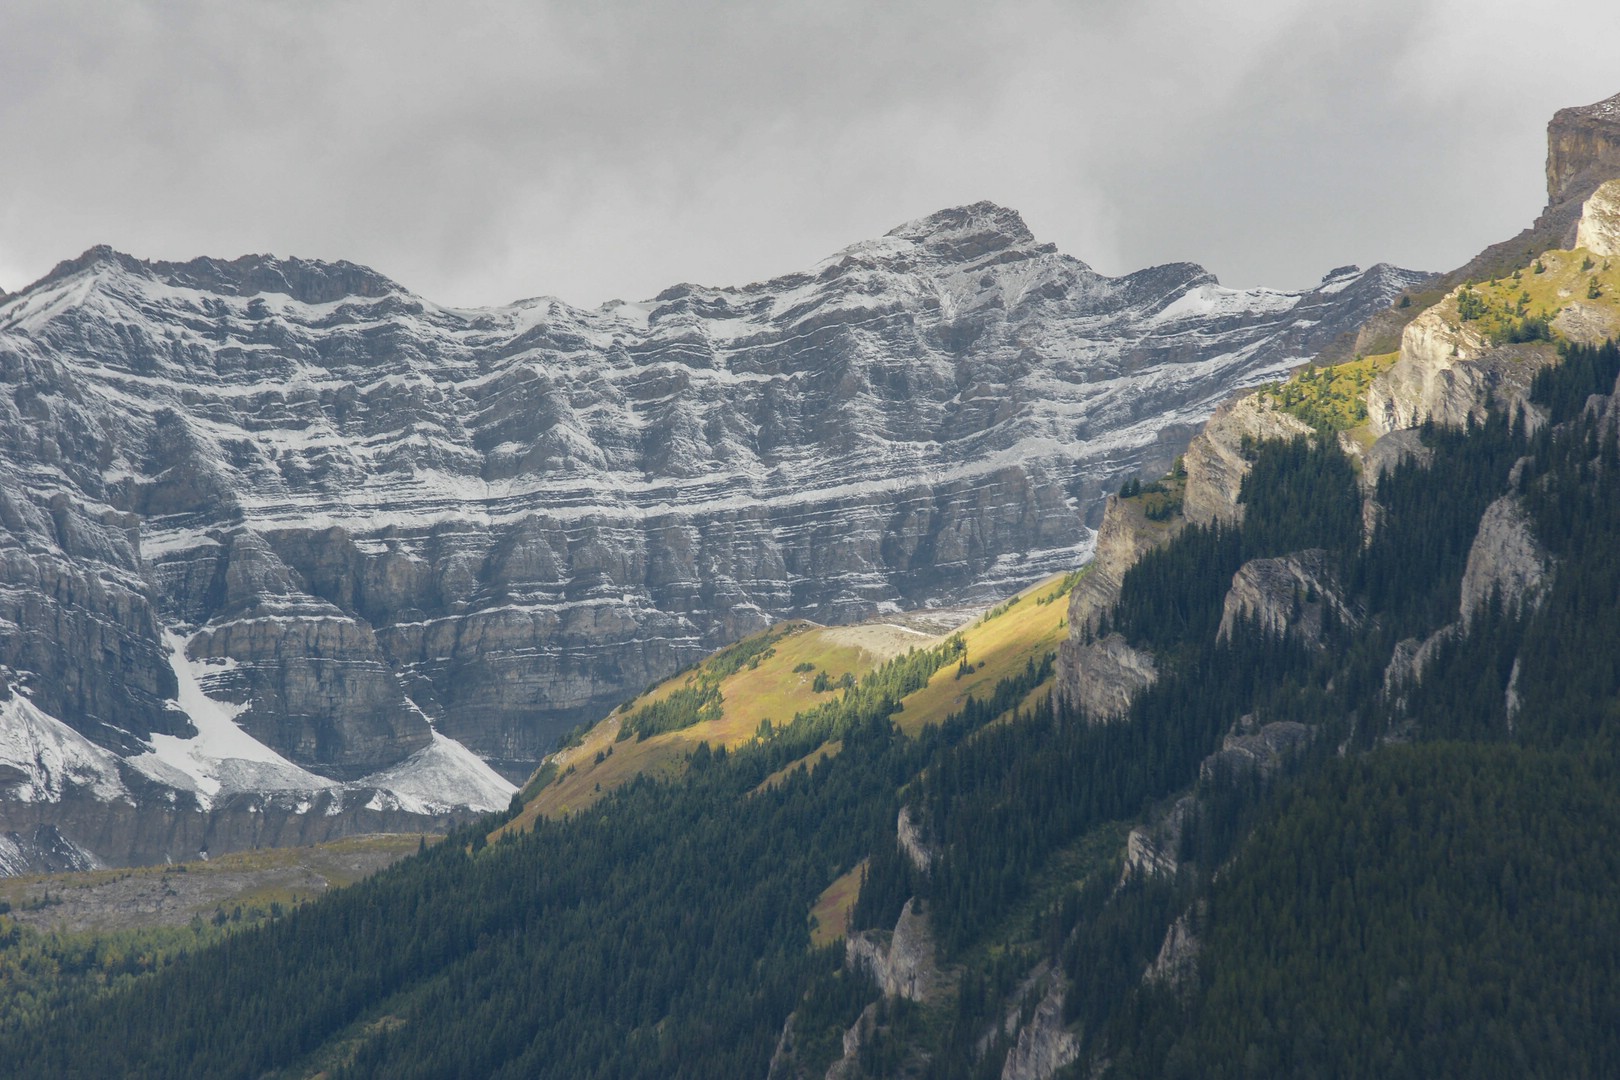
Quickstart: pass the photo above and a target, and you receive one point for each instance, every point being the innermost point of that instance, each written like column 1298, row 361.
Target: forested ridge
column 1424, row 885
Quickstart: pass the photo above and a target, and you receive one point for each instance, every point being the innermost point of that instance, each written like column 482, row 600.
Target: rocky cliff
column 363, row 525
column 902, row 962
column 1506, row 563
column 1043, row 1045
column 1290, row 596
column 1583, row 149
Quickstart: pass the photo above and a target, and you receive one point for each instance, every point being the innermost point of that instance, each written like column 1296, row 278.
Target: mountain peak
column 308, row 280
column 1605, row 112
column 101, row 255
column 968, row 231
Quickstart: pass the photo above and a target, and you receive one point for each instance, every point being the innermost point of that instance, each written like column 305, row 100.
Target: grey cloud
column 491, row 150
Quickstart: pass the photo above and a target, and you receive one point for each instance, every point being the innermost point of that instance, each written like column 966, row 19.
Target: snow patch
column 221, row 759
column 41, row 757
column 442, row 776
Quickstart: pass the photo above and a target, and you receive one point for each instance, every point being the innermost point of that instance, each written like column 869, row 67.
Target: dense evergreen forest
column 1426, row 886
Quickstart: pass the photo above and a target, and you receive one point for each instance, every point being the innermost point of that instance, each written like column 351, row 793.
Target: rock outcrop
column 1043, row 1045
column 1288, row 596
column 1252, row 747
column 910, row 837
column 1429, row 383
column 1102, row 677
column 1176, row 965
column 1152, row 850
column 1506, row 562
column 1583, row 149
column 1215, row 459
column 1599, row 228
column 902, row 961
column 1100, row 674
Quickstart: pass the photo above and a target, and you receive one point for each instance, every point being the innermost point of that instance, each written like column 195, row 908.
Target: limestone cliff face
column 1124, row 536
column 1289, row 596
column 1447, row 370
column 1101, row 677
column 1252, row 747
column 1176, row 965
column 912, row 842
column 521, row 514
column 1044, row 1045
column 1599, row 230
column 1506, row 560
column 1215, row 461
column 1583, row 147
column 902, row 961
column 125, row 834
column 1151, row 849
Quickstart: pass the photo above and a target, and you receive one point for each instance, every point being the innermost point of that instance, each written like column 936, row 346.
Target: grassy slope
column 1333, row 397
column 775, row 691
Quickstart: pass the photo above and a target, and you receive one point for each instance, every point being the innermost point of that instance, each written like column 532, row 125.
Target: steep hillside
column 743, row 693
column 1041, row 892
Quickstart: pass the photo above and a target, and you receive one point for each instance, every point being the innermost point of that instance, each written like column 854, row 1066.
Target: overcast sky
column 483, row 151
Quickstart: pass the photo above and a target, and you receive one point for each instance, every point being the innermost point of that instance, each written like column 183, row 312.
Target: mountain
column 279, row 536
column 1350, row 814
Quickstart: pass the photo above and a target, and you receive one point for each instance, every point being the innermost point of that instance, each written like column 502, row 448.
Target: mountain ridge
column 374, row 521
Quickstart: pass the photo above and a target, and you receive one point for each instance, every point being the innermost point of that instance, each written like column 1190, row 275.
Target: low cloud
column 499, row 149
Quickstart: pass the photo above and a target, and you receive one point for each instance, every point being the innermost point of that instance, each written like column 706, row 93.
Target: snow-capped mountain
column 280, row 530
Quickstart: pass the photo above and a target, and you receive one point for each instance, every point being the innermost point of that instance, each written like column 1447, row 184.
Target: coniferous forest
column 1428, row 885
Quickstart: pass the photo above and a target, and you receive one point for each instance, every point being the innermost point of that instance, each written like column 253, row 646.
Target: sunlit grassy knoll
column 1329, row 398
column 1565, row 278
column 782, row 684
column 829, row 916
column 997, row 648
column 771, row 689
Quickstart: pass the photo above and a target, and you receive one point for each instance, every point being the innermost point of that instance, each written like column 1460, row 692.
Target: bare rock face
column 83, row 829
column 912, row 842
column 1410, row 656
column 1215, row 461
column 1286, row 596
column 1252, row 747
column 42, row 850
column 1151, row 849
column 1126, row 534
column 1506, row 560
column 1044, row 1045
column 1583, row 147
column 1599, row 230
column 1176, row 965
column 901, row 962
column 1428, row 383
column 1389, row 451
column 1102, row 677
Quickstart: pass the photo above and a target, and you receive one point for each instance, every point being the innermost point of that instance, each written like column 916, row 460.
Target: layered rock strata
column 374, row 523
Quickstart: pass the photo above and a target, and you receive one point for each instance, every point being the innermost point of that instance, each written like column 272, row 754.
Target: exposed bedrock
column 364, row 514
